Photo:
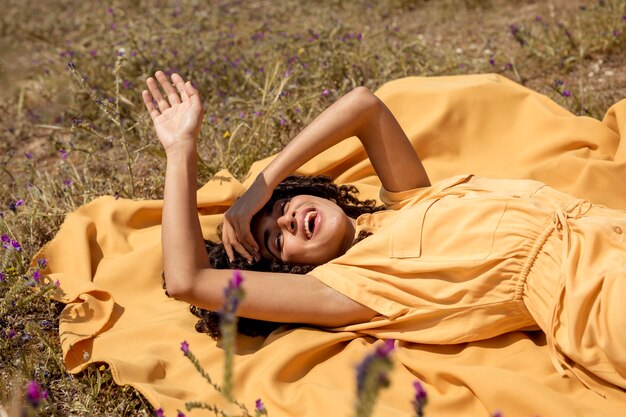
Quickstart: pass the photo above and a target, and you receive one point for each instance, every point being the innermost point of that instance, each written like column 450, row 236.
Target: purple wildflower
column 68, row 182
column 57, row 283
column 11, row 334
column 110, row 11
column 19, row 203
column 492, row 61
column 42, row 263
column 242, row 115
column 326, row 92
column 16, row 245
column 159, row 413
column 283, row 121
column 385, row 349
column 508, row 66
column 37, row 275
column 4, row 238
column 180, row 414
column 184, row 346
column 28, row 155
column 63, row 153
column 617, row 33
column 624, row 18
column 93, row 52
column 2, row 277
column 12, row 206
column 258, row 405
column 566, row 93
column 237, row 279
column 34, row 395
column 127, row 84
column 420, row 399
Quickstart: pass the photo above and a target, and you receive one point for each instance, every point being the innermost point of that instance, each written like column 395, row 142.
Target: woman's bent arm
column 358, row 113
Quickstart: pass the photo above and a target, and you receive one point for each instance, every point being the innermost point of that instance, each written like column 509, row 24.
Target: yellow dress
column 107, row 258
column 471, row 258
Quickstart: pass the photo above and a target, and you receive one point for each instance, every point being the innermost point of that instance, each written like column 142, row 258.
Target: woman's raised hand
column 177, row 117
column 236, row 234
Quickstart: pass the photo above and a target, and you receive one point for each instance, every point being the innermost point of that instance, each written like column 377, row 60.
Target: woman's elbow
column 177, row 287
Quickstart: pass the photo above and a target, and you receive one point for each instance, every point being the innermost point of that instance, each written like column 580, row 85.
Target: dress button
column 618, row 230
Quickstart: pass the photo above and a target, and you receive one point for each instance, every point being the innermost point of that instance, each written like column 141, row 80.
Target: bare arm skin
column 359, row 113
column 270, row 296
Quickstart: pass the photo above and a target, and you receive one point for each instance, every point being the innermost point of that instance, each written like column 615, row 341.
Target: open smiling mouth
column 309, row 224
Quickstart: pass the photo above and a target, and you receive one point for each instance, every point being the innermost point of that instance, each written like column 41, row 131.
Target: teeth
column 307, row 219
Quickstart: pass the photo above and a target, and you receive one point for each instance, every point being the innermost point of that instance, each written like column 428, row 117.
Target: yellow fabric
column 107, row 258
column 451, row 263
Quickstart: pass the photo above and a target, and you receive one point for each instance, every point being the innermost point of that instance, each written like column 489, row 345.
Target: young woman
column 465, row 259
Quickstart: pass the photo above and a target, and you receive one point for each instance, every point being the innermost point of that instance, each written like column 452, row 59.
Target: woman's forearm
column 183, row 246
column 361, row 114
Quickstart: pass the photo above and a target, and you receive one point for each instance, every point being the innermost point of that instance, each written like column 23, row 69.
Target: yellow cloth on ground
column 107, row 257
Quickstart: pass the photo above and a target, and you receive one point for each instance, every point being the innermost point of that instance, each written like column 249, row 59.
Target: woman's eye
column 279, row 242
column 283, row 206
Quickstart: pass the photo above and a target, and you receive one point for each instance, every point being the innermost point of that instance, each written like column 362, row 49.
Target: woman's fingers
column 156, row 94
column 230, row 241
column 149, row 102
column 180, row 86
column 172, row 95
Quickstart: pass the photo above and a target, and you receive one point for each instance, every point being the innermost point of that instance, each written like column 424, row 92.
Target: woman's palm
column 177, row 116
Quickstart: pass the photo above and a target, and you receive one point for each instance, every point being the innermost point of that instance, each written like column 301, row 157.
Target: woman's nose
column 288, row 222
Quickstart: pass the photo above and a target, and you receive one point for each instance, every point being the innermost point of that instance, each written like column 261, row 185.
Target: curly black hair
column 344, row 196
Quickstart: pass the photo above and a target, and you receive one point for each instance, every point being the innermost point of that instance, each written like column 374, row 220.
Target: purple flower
column 19, row 203
column 259, row 406
column 508, row 66
column 2, row 276
column 37, row 275
column 616, row 33
column 419, row 401
column 180, row 414
column 16, row 245
column 385, row 349
column 242, row 115
column 110, row 11
column 4, row 238
column 566, row 93
column 68, row 183
column 63, row 153
column 283, row 121
column 237, row 279
column 42, row 263
column 28, row 155
column 624, row 18
column 93, row 52
column 420, row 392
column 34, row 395
column 159, row 413
column 11, row 334
column 57, row 283
column 326, row 92
column 127, row 84
column 184, row 346
column 12, row 206
column 492, row 61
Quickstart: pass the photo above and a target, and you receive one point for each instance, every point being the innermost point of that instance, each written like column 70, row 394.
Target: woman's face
column 303, row 230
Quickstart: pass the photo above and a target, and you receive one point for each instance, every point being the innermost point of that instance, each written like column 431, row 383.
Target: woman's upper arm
column 392, row 155
column 279, row 297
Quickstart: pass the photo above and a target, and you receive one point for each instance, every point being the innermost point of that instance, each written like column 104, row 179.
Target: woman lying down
column 465, row 259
